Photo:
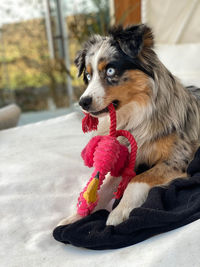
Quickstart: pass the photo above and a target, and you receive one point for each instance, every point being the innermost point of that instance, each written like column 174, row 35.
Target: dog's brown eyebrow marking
column 102, row 64
column 89, row 68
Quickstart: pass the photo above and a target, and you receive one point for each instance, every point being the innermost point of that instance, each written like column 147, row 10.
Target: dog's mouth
column 105, row 110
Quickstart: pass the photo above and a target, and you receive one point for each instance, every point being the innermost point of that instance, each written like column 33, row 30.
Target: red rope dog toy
column 105, row 154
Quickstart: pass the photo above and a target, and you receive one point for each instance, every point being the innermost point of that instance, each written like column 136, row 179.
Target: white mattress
column 41, row 175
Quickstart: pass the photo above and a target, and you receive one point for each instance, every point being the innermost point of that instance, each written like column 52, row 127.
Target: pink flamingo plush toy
column 105, row 154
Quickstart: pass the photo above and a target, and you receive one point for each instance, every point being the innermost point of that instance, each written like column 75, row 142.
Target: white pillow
column 173, row 21
column 183, row 60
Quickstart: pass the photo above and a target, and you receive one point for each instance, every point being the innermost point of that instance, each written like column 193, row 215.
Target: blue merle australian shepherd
column 164, row 116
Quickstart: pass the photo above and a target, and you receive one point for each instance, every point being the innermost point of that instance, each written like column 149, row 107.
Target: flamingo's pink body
column 106, row 154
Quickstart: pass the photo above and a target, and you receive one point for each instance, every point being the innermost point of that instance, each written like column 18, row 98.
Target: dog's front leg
column 138, row 189
column 105, row 196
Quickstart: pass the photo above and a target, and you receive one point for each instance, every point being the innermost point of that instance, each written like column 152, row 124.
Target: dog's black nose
column 85, row 102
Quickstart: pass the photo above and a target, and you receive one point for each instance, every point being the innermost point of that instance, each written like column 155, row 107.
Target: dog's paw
column 118, row 215
column 71, row 219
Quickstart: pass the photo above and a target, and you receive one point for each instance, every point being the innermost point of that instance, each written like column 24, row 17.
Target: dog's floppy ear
column 133, row 39
column 80, row 61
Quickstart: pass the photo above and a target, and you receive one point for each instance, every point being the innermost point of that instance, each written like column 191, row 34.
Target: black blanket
column 166, row 208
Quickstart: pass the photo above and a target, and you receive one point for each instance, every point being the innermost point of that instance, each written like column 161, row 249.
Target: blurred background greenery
column 38, row 43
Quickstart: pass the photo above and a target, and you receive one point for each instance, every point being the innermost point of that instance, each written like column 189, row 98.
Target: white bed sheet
column 41, row 175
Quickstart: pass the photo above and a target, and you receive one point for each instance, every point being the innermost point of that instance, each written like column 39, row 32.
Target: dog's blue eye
column 88, row 76
column 110, row 71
